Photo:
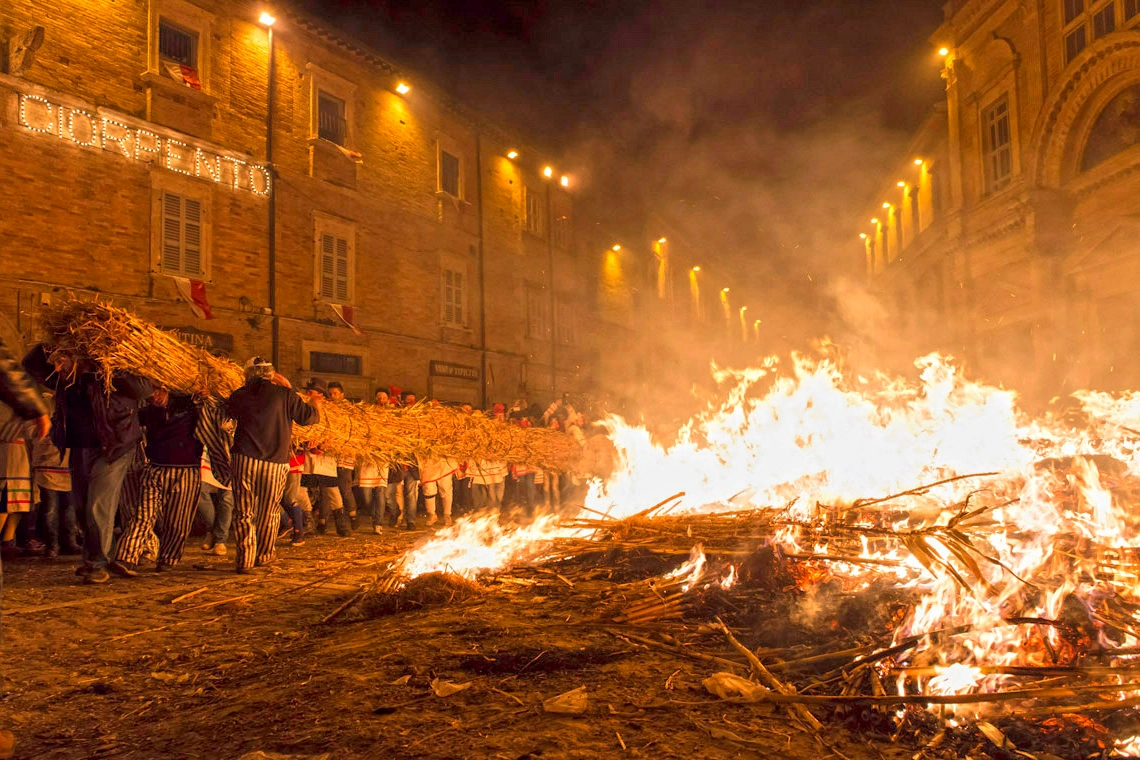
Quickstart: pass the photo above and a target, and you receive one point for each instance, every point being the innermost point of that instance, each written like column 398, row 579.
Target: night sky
column 764, row 127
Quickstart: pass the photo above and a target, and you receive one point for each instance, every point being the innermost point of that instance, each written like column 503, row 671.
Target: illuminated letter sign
column 114, row 134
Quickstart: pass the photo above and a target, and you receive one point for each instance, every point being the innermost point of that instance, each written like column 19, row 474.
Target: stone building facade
column 1029, row 262
column 134, row 153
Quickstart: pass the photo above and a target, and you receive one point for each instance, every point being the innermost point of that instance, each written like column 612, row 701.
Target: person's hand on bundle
column 42, row 425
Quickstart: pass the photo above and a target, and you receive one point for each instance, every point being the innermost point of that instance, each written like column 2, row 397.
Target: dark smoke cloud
column 764, row 129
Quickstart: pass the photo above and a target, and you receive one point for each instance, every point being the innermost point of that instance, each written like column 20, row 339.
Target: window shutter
column 448, row 296
column 328, row 266
column 192, row 237
column 341, row 270
column 171, row 232
column 458, row 298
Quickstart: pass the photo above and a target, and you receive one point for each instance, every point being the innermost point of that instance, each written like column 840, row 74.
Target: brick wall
column 82, row 219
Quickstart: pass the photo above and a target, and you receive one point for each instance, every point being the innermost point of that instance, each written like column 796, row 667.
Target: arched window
column 1115, row 130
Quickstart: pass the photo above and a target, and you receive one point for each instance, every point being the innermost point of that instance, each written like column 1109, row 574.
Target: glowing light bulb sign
column 100, row 129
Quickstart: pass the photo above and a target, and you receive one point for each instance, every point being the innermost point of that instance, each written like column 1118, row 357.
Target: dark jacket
column 17, row 389
column 86, row 415
column 265, row 414
column 170, row 432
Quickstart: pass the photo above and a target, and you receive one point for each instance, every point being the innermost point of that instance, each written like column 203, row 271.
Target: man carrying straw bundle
column 171, row 483
column 98, row 423
column 264, row 409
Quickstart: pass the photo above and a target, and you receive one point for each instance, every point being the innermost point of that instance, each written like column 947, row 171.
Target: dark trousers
column 26, row 528
column 216, row 509
column 375, row 500
column 464, row 500
column 58, row 515
column 296, row 517
column 525, row 492
column 344, row 483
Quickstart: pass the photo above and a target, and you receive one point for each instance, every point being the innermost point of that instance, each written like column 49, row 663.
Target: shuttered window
column 449, row 173
column 335, row 265
column 454, row 285
column 534, row 218
column 537, row 313
column 566, row 324
column 181, row 252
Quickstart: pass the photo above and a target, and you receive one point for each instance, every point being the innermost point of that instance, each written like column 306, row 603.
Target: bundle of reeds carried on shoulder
column 114, row 340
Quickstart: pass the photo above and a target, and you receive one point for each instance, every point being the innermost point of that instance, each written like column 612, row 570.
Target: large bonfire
column 1015, row 538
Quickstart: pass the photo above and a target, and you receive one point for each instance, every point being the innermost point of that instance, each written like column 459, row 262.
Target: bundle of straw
column 117, row 341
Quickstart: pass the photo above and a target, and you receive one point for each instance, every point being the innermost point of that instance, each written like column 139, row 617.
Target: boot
column 341, row 520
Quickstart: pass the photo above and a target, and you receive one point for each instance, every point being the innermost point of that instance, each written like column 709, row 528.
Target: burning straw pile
column 115, row 340
column 828, row 631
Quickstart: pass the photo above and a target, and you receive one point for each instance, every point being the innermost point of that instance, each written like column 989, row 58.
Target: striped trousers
column 131, row 494
column 170, row 499
column 258, row 489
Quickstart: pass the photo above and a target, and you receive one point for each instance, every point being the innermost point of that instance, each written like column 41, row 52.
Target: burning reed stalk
column 114, row 340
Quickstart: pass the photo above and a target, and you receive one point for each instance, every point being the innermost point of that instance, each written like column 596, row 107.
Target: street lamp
column 696, row 269
column 403, row 88
column 512, row 154
column 267, row 20
column 547, row 172
column 565, row 181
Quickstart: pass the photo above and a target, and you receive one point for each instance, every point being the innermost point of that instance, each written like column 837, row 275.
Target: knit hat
column 258, row 366
column 316, row 384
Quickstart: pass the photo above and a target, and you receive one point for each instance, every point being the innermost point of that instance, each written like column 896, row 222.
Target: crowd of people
column 129, row 469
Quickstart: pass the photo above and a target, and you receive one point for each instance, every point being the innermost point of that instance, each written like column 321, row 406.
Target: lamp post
column 268, row 21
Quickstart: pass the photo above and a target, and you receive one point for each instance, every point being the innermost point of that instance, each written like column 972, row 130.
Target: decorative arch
column 1105, row 69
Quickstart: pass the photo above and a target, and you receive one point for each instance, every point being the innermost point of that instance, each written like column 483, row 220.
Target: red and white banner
column 351, row 154
column 187, row 75
column 347, row 315
column 193, row 292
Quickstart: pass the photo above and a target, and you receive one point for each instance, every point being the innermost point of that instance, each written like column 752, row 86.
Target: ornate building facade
column 1024, row 256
